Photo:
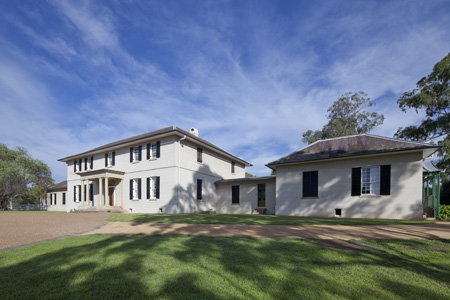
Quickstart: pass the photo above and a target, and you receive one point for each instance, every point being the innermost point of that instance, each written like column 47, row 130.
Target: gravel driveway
column 19, row 229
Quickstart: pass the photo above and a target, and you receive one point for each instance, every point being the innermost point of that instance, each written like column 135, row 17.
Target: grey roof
column 429, row 166
column 151, row 134
column 356, row 145
column 59, row 186
column 247, row 179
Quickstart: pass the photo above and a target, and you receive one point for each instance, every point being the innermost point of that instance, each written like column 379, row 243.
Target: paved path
column 19, row 229
column 427, row 231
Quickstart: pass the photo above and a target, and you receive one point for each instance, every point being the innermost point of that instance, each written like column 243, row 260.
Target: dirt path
column 20, row 229
column 427, row 231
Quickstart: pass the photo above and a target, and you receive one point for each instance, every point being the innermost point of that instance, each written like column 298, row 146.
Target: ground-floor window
column 135, row 189
column 199, row 189
column 311, row 184
column 153, row 187
column 235, row 194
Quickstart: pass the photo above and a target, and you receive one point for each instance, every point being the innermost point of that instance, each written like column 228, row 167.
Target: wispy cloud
column 251, row 76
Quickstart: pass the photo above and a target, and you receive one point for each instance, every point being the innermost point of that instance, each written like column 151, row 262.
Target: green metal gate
column 431, row 188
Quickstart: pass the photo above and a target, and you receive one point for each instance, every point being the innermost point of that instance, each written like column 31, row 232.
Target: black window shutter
column 158, row 149
column 306, row 184
column 131, row 189
column 131, row 154
column 148, row 187
column 64, row 198
column 85, row 163
column 356, row 181
column 114, row 158
column 235, row 194
column 139, row 188
column 106, row 159
column 51, row 200
column 74, row 166
column 55, row 199
column 148, row 151
column 157, row 187
column 314, row 184
column 140, row 153
column 74, row 193
column 92, row 162
column 79, row 164
column 385, row 180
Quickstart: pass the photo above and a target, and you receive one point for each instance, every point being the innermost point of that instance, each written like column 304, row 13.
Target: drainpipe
column 179, row 165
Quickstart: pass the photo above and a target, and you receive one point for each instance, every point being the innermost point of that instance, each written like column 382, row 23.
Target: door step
column 105, row 210
column 260, row 211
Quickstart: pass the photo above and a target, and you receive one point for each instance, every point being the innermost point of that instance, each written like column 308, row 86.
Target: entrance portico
column 105, row 185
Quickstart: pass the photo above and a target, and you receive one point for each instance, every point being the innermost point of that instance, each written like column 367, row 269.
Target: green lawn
column 183, row 267
column 252, row 219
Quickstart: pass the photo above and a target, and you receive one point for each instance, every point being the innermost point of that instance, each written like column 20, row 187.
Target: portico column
column 106, row 191
column 83, row 189
column 100, row 192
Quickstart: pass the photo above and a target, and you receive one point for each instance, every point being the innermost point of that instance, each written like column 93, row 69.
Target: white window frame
column 135, row 189
column 153, row 149
column 152, row 187
column 135, row 154
column 109, row 160
column 370, row 181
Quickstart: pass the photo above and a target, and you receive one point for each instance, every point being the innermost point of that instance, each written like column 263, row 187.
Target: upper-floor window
column 153, row 187
column 199, row 155
column 88, row 163
column 233, row 167
column 135, row 189
column 154, row 150
column 135, row 154
column 311, row 184
column 110, row 159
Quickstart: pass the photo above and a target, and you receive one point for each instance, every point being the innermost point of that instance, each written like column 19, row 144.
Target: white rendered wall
column 248, row 197
column 59, row 206
column 405, row 201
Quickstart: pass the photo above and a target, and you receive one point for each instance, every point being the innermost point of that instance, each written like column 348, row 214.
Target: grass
column 183, row 267
column 253, row 219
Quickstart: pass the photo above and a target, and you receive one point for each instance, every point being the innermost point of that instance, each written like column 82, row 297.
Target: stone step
column 117, row 210
column 259, row 211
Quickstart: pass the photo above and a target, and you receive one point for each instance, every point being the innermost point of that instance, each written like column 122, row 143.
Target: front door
column 111, row 196
column 261, row 195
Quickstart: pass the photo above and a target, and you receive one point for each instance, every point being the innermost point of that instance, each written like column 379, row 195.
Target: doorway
column 111, row 193
column 261, row 195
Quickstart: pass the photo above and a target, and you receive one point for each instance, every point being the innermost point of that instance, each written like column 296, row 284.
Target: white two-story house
column 168, row 170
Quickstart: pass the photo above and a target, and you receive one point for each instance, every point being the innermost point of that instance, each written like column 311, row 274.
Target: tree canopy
column 20, row 173
column 347, row 116
column 432, row 95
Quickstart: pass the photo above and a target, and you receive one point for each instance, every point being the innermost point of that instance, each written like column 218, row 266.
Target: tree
column 347, row 116
column 248, row 175
column 20, row 173
column 432, row 95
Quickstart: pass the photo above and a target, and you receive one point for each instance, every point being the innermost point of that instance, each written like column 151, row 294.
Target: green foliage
column 347, row 116
column 183, row 267
column 273, row 172
column 21, row 175
column 444, row 212
column 248, row 175
column 432, row 95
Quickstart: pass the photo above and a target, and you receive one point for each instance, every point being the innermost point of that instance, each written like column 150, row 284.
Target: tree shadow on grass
column 183, row 267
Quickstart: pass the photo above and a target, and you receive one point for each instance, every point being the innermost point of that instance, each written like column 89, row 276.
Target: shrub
column 444, row 213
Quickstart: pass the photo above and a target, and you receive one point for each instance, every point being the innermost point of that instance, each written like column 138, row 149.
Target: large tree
column 432, row 96
column 20, row 174
column 347, row 116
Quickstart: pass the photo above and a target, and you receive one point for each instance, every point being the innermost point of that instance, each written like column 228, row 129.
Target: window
column 310, row 184
column 135, row 189
column 153, row 150
column 85, row 163
column 110, row 159
column 233, row 165
column 153, row 187
column 54, row 199
column 64, row 199
column 79, row 164
column 235, row 194
column 51, row 199
column 370, row 181
column 92, row 163
column 75, row 166
column 199, row 189
column 91, row 193
column 135, row 154
column 373, row 180
column 199, row 155
column 76, row 193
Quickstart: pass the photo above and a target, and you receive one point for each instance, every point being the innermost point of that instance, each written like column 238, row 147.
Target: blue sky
column 250, row 75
